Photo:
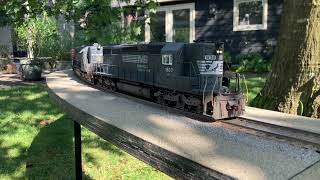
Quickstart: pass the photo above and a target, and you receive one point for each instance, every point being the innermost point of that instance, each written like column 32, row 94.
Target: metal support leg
column 77, row 150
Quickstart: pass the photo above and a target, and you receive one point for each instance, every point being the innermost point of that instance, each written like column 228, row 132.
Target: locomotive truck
column 188, row 76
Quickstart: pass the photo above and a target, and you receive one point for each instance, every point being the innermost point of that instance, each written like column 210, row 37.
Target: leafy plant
column 37, row 34
column 100, row 22
column 48, row 40
column 253, row 62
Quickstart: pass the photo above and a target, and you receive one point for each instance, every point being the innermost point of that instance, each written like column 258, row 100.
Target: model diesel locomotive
column 187, row 76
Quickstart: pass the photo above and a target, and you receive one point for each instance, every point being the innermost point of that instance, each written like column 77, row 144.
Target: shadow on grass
column 33, row 150
column 51, row 152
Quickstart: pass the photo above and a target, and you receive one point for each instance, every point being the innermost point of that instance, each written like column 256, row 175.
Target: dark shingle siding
column 220, row 28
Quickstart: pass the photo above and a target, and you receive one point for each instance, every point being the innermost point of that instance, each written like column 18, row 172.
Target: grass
column 255, row 83
column 36, row 142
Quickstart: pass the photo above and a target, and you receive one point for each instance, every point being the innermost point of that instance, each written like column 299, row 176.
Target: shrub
column 252, row 62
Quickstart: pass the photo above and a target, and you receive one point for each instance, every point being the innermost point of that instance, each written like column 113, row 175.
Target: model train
column 187, row 76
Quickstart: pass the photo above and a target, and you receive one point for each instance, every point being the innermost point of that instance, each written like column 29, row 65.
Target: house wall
column 220, row 28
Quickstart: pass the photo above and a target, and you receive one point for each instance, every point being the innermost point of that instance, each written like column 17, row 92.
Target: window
column 181, row 25
column 250, row 15
column 173, row 23
column 167, row 59
column 158, row 27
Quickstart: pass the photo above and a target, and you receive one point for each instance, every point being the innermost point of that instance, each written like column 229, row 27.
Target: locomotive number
column 169, row 69
column 210, row 57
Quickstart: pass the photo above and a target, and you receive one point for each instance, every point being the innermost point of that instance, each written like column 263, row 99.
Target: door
column 173, row 23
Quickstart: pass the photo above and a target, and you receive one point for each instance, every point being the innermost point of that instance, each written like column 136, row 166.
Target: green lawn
column 254, row 84
column 36, row 142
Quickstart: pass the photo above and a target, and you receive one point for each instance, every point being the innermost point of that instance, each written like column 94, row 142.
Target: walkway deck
column 228, row 151
column 282, row 119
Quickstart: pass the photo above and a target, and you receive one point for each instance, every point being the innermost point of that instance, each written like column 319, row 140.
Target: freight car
column 187, row 76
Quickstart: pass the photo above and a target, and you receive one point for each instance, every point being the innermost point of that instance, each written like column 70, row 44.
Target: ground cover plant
column 36, row 142
column 252, row 63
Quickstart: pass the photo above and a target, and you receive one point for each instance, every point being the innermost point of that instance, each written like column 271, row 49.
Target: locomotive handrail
column 100, row 68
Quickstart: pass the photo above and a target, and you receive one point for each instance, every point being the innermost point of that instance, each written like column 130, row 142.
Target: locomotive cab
column 218, row 99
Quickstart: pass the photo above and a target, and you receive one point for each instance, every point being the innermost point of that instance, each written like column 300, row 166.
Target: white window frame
column 169, row 21
column 251, row 27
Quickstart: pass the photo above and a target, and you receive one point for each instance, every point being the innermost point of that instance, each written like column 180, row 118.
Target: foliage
column 18, row 11
column 36, row 142
column 95, row 21
column 97, row 28
column 43, row 33
column 4, row 20
column 253, row 62
column 48, row 40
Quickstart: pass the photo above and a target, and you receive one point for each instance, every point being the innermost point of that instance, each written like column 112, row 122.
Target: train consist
column 187, row 76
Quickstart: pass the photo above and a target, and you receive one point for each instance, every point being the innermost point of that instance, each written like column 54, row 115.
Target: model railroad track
column 298, row 137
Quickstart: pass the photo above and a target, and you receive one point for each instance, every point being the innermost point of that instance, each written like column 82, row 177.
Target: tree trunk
column 293, row 85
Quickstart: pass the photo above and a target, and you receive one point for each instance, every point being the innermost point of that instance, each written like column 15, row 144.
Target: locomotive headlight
column 219, row 51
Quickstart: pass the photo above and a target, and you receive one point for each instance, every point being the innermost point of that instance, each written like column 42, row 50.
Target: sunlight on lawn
column 36, row 142
column 254, row 82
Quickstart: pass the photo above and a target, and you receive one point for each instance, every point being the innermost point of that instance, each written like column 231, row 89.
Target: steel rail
column 298, row 137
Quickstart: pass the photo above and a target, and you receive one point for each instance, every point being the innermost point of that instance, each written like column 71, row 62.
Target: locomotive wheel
column 199, row 109
column 187, row 107
column 171, row 103
column 180, row 104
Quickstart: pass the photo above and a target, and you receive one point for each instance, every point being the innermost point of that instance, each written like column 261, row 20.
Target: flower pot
column 30, row 70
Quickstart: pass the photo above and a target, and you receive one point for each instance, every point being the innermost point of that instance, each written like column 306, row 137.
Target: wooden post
column 77, row 150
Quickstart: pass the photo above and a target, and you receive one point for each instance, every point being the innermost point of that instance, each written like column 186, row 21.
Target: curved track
column 297, row 137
